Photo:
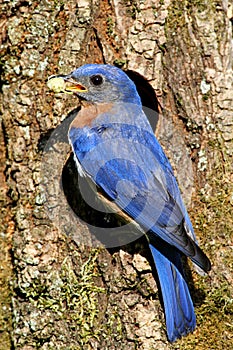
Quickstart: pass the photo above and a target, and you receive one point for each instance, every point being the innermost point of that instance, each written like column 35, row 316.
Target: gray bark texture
column 57, row 292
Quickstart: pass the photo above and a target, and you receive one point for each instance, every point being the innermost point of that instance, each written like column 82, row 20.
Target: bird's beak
column 65, row 83
column 74, row 86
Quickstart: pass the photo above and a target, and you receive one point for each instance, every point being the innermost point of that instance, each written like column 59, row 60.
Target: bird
column 115, row 148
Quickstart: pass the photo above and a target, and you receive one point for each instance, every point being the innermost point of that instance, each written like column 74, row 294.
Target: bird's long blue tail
column 179, row 310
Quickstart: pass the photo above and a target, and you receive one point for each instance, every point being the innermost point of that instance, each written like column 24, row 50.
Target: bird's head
column 101, row 83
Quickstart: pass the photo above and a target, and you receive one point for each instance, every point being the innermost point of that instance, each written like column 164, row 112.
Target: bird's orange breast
column 89, row 112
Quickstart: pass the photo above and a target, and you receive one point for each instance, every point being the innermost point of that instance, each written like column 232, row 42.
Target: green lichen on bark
column 5, row 286
column 70, row 299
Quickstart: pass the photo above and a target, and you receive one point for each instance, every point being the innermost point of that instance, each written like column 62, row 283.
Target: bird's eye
column 96, row 79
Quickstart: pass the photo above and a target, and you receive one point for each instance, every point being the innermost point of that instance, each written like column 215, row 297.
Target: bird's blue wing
column 128, row 164
column 126, row 161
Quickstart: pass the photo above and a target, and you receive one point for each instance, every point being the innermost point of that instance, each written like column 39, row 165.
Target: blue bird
column 116, row 149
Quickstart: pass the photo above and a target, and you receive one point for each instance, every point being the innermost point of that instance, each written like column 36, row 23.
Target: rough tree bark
column 69, row 296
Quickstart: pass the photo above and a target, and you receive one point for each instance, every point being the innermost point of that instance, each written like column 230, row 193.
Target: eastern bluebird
column 115, row 148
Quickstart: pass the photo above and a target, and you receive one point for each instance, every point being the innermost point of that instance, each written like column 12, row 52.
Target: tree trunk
column 65, row 293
